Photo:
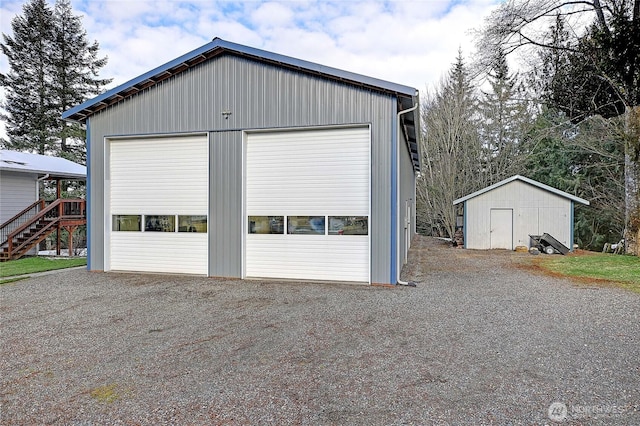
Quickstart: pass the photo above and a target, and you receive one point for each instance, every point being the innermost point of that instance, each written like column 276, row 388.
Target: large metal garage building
column 236, row 162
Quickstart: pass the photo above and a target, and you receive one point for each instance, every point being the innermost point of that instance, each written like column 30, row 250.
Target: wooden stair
column 25, row 230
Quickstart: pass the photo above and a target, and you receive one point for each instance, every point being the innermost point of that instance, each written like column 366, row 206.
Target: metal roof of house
column 407, row 96
column 527, row 180
column 55, row 167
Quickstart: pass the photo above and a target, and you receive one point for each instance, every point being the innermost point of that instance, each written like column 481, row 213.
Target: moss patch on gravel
column 106, row 394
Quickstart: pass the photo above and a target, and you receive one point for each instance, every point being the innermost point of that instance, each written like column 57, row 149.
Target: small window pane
column 159, row 223
column 126, row 222
column 305, row 225
column 348, row 225
column 266, row 224
column 192, row 223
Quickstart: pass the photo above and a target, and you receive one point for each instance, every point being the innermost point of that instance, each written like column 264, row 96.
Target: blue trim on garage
column 394, row 199
column 88, row 194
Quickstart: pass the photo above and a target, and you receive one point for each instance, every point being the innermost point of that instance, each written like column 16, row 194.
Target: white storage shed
column 503, row 215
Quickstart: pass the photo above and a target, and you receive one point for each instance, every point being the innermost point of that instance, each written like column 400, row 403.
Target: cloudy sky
column 405, row 41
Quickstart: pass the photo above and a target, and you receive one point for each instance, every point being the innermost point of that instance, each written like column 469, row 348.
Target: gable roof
column 217, row 47
column 407, row 96
column 55, row 167
column 526, row 180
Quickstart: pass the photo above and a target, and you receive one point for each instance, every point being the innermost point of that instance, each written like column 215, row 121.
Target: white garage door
column 307, row 204
column 158, row 201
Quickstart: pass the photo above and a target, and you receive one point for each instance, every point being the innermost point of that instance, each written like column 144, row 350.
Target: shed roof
column 55, row 167
column 407, row 96
column 526, row 180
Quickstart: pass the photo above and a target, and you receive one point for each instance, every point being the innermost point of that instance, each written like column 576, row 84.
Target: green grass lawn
column 623, row 271
column 30, row 265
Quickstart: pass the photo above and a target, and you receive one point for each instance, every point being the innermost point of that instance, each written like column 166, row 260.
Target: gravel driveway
column 479, row 341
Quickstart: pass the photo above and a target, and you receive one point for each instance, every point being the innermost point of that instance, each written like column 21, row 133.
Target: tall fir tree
column 75, row 66
column 504, row 121
column 52, row 68
column 30, row 107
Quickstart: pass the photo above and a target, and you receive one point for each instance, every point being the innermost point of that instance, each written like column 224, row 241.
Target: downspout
column 398, row 228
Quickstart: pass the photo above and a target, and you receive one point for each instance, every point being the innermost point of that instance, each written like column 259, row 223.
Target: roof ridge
column 212, row 49
column 526, row 180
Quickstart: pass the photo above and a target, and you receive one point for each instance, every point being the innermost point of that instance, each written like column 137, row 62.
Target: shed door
column 501, row 233
column 158, row 201
column 307, row 204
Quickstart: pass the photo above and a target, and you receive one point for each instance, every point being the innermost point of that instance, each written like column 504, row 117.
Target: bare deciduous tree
column 608, row 54
column 451, row 151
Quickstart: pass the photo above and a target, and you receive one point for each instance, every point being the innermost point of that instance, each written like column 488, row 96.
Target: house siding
column 19, row 190
column 258, row 96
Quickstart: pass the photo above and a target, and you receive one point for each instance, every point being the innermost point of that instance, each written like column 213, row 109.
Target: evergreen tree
column 585, row 159
column 504, row 121
column 30, row 106
column 75, row 75
column 52, row 68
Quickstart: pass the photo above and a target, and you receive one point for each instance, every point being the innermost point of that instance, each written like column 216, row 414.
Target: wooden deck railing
column 20, row 219
column 30, row 231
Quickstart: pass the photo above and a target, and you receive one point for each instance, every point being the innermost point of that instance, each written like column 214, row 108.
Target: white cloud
column 408, row 42
column 272, row 15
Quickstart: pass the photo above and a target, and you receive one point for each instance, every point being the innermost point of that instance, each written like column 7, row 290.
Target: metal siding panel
column 259, row 96
column 556, row 221
column 381, row 147
column 407, row 185
column 474, row 225
column 225, row 208
column 525, row 224
column 245, row 50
